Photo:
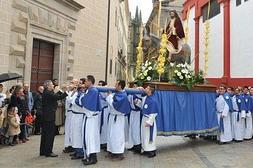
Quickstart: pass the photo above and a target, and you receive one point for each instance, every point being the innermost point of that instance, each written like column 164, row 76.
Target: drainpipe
column 108, row 39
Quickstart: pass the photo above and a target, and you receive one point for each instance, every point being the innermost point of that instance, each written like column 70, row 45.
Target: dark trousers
column 37, row 124
column 23, row 132
column 47, row 137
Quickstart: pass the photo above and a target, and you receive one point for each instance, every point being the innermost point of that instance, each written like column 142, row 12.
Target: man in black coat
column 50, row 97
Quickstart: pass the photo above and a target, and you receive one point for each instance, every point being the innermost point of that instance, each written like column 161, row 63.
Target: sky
column 144, row 5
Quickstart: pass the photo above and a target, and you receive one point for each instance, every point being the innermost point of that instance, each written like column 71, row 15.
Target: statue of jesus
column 175, row 33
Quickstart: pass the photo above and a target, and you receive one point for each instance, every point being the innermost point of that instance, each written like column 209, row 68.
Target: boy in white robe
column 77, row 122
column 248, row 120
column 238, row 116
column 148, row 123
column 104, row 117
column 224, row 119
column 251, row 95
column 119, row 108
column 134, row 137
column 72, row 93
column 91, row 104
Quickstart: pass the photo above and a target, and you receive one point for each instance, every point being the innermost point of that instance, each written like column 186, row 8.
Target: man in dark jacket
column 37, row 108
column 50, row 97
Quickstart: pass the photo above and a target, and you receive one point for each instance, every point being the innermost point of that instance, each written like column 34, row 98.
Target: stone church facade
column 46, row 39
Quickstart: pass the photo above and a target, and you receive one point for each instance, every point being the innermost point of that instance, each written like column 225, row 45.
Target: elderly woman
column 50, row 97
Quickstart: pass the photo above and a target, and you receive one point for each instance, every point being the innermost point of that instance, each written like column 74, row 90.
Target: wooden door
column 42, row 63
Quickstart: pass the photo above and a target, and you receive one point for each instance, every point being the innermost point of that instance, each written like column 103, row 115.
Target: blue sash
column 228, row 100
column 221, row 125
column 245, row 122
column 115, row 117
column 102, row 118
column 238, row 116
column 84, row 131
column 151, row 131
column 77, row 113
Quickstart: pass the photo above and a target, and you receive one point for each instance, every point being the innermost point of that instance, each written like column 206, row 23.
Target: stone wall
column 91, row 37
column 79, row 36
column 5, row 28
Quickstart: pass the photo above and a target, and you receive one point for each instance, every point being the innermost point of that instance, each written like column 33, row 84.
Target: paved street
column 173, row 152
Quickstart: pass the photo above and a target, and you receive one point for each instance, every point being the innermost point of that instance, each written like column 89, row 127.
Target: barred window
column 214, row 10
column 238, row 2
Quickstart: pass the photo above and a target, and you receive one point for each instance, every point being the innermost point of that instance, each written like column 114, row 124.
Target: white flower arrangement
column 183, row 75
column 145, row 74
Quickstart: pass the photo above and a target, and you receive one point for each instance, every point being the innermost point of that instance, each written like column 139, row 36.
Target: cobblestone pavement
column 173, row 152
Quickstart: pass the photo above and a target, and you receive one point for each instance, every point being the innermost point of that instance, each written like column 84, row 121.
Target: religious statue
column 178, row 50
column 175, row 33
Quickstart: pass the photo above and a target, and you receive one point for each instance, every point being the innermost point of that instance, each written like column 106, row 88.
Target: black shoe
column 144, row 153
column 117, row 157
column 51, row 155
column 68, row 149
column 72, row 154
column 11, row 144
column 137, row 149
column 89, row 161
column 65, row 151
column 131, row 149
column 42, row 154
column 151, row 154
column 76, row 157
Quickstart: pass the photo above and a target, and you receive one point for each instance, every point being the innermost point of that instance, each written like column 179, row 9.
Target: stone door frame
column 60, row 57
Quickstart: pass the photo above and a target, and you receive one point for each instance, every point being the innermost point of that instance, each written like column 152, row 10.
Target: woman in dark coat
column 18, row 100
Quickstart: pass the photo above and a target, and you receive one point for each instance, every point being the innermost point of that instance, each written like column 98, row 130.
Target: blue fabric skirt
column 182, row 113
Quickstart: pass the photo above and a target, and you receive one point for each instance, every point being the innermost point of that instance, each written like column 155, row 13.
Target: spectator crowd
column 21, row 114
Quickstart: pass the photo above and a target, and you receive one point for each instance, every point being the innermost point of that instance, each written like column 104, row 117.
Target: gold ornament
column 161, row 59
column 139, row 57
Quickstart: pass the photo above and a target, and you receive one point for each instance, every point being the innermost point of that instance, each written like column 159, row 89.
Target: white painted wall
column 241, row 39
column 215, row 58
column 191, row 35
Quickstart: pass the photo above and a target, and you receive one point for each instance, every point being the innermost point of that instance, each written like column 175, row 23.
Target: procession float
column 186, row 100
